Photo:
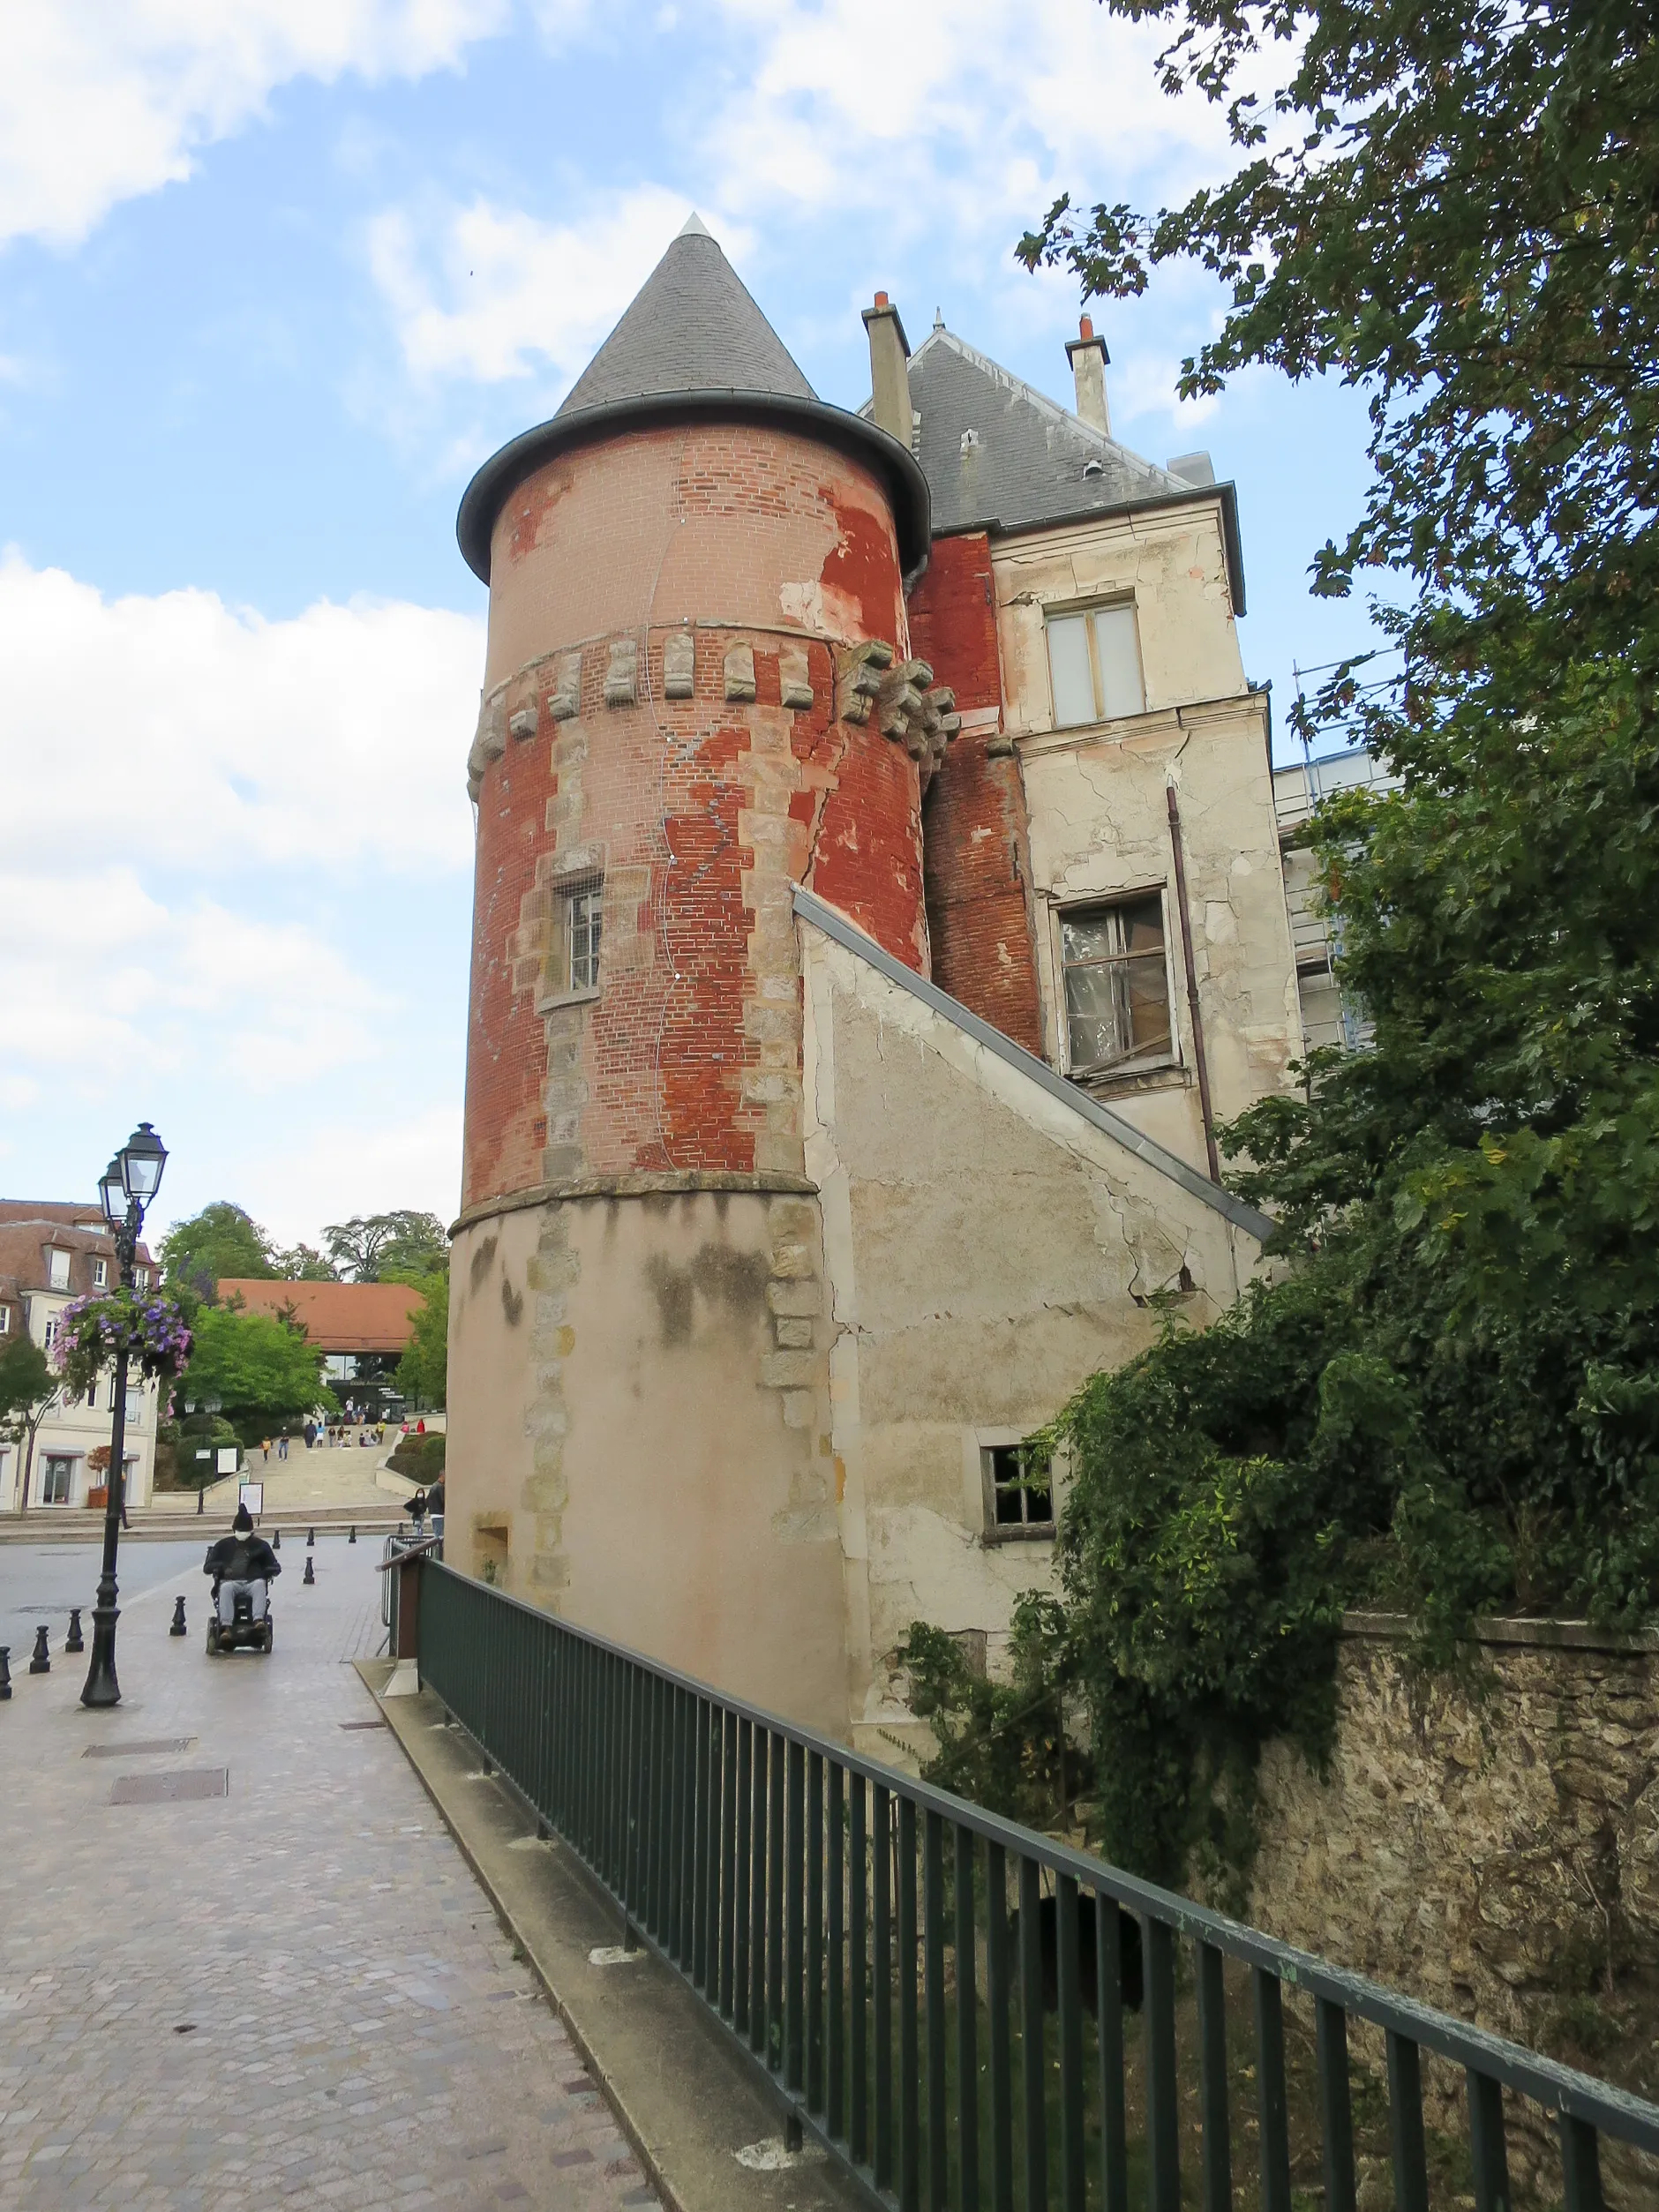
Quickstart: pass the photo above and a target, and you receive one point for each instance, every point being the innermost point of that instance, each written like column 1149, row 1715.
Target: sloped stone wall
column 1493, row 1849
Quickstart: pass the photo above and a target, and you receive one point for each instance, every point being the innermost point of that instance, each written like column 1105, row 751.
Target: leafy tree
column 370, row 1246
column 28, row 1387
column 304, row 1264
column 220, row 1241
column 1453, row 209
column 1446, row 1401
column 422, row 1373
column 252, row 1367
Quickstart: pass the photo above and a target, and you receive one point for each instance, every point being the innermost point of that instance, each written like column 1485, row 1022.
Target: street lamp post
column 125, row 1189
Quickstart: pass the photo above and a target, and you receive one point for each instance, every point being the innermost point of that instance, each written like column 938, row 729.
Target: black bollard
column 310, row 1576
column 311, row 1539
column 73, row 1642
column 41, row 1663
column 5, row 1672
column 353, row 1537
column 178, row 1628
column 276, row 1541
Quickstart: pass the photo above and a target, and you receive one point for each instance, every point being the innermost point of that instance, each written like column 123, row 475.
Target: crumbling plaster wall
column 985, row 1249
column 1096, row 803
column 1100, row 826
column 640, row 1431
column 1170, row 561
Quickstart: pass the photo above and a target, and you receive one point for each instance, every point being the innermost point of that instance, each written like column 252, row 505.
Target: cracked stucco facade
column 1098, row 814
column 985, row 1249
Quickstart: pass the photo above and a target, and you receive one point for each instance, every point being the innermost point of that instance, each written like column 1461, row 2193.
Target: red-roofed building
column 363, row 1329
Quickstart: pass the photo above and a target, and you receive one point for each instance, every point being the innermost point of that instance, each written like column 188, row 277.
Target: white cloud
column 101, row 99
column 102, row 974
column 343, row 1167
column 190, row 732
column 976, row 112
column 976, row 117
column 490, row 293
column 234, row 861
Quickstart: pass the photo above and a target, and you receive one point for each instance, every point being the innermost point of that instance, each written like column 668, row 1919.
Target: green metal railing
column 940, row 1996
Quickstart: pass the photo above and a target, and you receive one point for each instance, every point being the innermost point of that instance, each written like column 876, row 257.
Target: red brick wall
column 974, row 840
column 702, row 812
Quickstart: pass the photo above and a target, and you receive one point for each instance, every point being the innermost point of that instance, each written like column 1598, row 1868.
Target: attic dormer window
column 57, row 1270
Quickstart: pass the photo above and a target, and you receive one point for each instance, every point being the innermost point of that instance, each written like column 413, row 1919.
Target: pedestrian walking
column 266, row 1448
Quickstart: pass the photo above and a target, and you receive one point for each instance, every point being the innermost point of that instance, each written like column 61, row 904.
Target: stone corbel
column 898, row 701
column 564, row 702
column 858, row 672
column 918, row 714
column 622, row 675
column 522, row 725
column 739, row 672
column 489, row 743
column 794, row 678
column 679, row 664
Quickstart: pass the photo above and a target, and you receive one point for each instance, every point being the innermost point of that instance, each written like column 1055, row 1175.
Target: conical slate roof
column 693, row 344
column 693, row 327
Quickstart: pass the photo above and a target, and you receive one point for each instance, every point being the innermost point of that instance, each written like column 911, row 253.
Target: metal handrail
column 741, row 1848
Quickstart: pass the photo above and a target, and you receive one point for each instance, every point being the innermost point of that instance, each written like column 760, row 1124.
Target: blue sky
column 275, row 275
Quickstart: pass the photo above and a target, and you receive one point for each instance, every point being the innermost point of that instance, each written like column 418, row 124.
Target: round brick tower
column 698, row 696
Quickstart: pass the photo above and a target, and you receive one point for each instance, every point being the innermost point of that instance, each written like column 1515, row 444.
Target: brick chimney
column 1088, row 356
column 889, row 376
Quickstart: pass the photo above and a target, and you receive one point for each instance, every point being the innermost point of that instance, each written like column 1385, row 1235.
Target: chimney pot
column 881, row 299
column 1085, row 327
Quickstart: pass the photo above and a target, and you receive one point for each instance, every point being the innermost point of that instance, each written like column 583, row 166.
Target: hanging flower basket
column 92, row 1330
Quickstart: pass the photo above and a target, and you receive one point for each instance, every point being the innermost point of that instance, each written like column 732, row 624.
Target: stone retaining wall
column 1496, row 1854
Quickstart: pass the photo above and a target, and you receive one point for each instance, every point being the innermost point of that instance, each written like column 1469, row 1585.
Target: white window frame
column 57, row 1259
column 51, row 1337
column 1084, row 611
column 5, row 1321
column 100, row 1274
column 1143, row 1064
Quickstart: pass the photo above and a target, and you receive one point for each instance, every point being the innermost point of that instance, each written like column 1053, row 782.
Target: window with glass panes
column 1116, row 985
column 1094, row 664
column 1019, row 1489
column 58, row 1478
column 583, row 910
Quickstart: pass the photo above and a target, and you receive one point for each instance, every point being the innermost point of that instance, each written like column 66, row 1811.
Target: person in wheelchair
column 240, row 1563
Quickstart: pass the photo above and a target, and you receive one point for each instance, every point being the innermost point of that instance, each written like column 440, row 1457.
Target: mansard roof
column 693, row 344
column 1000, row 455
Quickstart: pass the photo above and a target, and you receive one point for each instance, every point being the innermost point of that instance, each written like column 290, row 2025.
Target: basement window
column 1094, row 665
column 1019, row 1491
column 1116, row 973
column 583, row 924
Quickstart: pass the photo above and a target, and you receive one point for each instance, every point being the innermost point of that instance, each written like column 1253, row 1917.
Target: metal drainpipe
column 1199, row 1061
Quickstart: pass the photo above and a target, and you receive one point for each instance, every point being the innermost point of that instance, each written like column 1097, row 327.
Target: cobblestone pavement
column 294, row 1993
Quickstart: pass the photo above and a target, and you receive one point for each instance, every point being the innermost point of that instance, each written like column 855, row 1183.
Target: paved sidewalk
column 294, row 1993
